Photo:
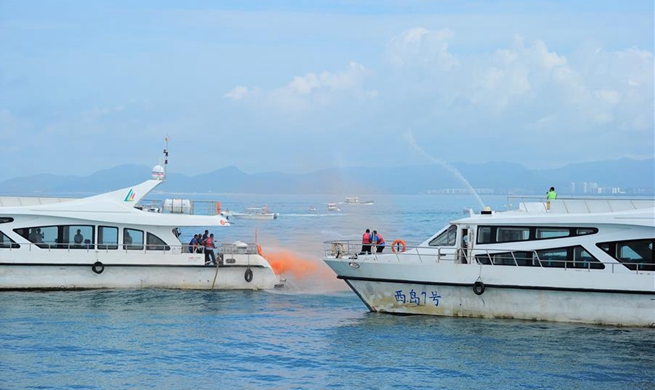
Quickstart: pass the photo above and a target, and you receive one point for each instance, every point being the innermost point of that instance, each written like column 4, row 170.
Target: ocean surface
column 314, row 333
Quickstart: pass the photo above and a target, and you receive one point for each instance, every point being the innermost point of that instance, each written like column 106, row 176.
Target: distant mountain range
column 631, row 176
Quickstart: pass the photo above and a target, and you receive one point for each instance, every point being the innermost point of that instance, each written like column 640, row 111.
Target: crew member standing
column 378, row 241
column 366, row 242
column 550, row 195
column 209, row 250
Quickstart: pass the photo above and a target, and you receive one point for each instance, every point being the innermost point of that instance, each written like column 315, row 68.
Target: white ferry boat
column 588, row 261
column 333, row 207
column 257, row 213
column 354, row 200
column 110, row 241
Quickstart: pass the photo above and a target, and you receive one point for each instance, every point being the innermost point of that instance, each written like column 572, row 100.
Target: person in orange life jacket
column 202, row 238
column 209, row 250
column 378, row 240
column 366, row 242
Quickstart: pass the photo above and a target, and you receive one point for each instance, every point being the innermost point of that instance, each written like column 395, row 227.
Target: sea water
column 312, row 334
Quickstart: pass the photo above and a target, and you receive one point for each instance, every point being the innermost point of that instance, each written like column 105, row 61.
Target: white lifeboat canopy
column 158, row 172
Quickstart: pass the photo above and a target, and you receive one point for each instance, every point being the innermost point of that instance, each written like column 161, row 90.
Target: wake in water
column 410, row 139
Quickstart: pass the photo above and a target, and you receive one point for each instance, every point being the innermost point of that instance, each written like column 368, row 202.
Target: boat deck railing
column 193, row 207
column 576, row 205
column 244, row 248
column 352, row 250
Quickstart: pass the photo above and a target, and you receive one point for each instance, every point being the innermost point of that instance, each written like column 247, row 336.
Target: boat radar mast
column 159, row 171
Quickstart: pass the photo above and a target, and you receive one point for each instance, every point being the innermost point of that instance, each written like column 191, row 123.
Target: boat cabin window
column 567, row 257
column 633, row 254
column 60, row 236
column 552, row 232
column 6, row 219
column 484, row 235
column 446, row 238
column 6, row 242
column 133, row 239
column 509, row 234
column 497, row 234
column 107, row 237
column 156, row 244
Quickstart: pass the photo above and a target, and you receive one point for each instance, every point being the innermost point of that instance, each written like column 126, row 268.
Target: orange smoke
column 286, row 262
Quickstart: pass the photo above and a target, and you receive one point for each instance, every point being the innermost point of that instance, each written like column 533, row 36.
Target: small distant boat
column 259, row 213
column 356, row 200
column 312, row 209
column 333, row 207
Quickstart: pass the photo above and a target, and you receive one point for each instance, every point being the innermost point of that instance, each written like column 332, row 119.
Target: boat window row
column 634, row 254
column 496, row 234
column 565, row 257
column 87, row 237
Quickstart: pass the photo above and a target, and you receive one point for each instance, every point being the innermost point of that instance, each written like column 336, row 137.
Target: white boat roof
column 111, row 207
column 572, row 211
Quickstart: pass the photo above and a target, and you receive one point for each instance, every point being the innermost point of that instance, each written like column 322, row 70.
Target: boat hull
column 606, row 308
column 88, row 276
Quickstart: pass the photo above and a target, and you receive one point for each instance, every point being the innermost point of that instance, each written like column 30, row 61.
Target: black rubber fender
column 248, row 275
column 97, row 267
column 478, row 288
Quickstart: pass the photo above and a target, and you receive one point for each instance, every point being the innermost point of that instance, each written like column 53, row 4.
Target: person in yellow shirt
column 550, row 195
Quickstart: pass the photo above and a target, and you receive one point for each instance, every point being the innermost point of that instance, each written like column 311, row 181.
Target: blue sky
column 296, row 86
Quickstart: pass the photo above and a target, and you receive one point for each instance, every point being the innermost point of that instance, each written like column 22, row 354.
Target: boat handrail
column 351, row 249
column 249, row 248
column 196, row 207
column 569, row 205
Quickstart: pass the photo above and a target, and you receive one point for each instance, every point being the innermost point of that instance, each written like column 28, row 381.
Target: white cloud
column 311, row 89
column 240, row 92
column 420, row 47
column 580, row 90
column 609, row 96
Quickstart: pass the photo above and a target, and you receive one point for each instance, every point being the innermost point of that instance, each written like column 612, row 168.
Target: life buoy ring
column 260, row 251
column 97, row 267
column 478, row 288
column 398, row 246
column 248, row 275
column 222, row 222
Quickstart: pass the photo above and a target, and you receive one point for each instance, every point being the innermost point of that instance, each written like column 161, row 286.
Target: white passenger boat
column 110, row 241
column 259, row 213
column 354, row 200
column 333, row 207
column 588, row 261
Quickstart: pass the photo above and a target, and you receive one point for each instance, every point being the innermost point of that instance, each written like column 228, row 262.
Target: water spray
column 410, row 139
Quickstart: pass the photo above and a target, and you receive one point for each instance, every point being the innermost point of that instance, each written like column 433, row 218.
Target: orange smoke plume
column 286, row 262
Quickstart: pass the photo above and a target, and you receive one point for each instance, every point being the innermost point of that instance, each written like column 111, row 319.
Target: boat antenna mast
column 159, row 171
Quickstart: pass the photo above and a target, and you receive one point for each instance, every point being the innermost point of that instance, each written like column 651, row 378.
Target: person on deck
column 210, row 258
column 193, row 244
column 550, row 195
column 366, row 242
column 378, row 240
